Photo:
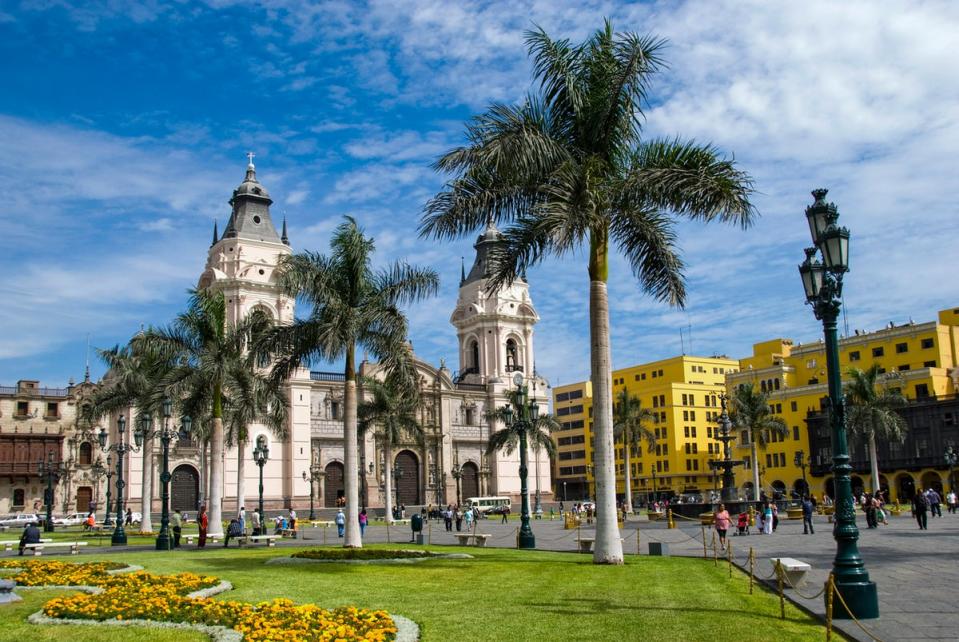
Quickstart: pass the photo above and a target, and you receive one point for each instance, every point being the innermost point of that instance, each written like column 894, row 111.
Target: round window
column 256, row 219
column 262, row 272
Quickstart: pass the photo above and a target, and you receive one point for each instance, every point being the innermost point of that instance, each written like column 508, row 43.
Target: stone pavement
column 916, row 571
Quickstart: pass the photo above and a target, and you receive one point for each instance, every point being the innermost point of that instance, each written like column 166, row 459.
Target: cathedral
column 495, row 336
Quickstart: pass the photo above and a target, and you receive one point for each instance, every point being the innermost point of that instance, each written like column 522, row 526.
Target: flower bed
column 165, row 598
column 337, row 554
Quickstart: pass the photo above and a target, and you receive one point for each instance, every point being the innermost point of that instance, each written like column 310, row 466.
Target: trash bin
column 416, row 525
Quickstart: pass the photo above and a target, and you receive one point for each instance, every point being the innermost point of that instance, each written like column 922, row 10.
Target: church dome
column 250, row 186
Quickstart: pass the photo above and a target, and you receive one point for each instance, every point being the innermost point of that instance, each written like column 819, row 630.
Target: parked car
column 498, row 510
column 20, row 520
column 73, row 519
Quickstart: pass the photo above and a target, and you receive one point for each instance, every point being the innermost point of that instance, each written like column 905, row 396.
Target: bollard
column 729, row 557
column 703, row 530
column 669, row 518
column 752, row 517
column 429, row 531
column 715, row 551
column 782, row 596
column 752, row 568
column 830, row 587
column 637, row 540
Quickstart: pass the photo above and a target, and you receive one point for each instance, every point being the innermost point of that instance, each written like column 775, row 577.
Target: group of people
column 929, row 501
column 458, row 515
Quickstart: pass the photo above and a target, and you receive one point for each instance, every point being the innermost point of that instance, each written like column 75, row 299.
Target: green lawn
column 500, row 595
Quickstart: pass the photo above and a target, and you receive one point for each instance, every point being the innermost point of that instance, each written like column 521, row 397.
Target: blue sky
column 123, row 128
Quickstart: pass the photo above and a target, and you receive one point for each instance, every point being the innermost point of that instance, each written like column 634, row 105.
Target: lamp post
column 952, row 457
column 107, row 519
column 121, row 448
column 261, row 454
column 397, row 476
column 800, row 461
column 313, row 477
column 164, row 539
column 51, row 470
column 564, row 491
column 365, row 487
column 98, row 472
column 457, row 472
column 525, row 418
column 589, row 484
column 822, row 283
column 655, row 497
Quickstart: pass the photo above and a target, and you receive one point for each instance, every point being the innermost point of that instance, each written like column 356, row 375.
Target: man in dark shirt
column 31, row 535
column 807, row 509
column 919, row 507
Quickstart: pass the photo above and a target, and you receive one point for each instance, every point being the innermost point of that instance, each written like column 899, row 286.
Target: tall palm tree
column 567, row 170
column 134, row 379
column 391, row 411
column 750, row 411
column 205, row 352
column 629, row 423
column 252, row 398
column 871, row 404
column 351, row 305
column 538, row 433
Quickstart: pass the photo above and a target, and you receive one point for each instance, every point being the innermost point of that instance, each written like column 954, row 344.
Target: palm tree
column 538, row 433
column 871, row 413
column 352, row 305
column 253, row 398
column 206, row 352
column 750, row 411
column 568, row 170
column 629, row 423
column 392, row 409
column 134, row 379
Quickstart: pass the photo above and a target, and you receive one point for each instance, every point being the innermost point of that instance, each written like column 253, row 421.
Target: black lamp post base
column 862, row 599
column 119, row 538
column 527, row 540
column 164, row 542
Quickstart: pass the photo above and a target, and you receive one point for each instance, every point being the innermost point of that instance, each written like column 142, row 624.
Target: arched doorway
column 779, row 489
column 408, row 486
column 800, row 488
column 858, row 487
column 905, row 487
column 932, row 479
column 334, row 489
column 469, row 482
column 184, row 488
column 84, row 498
column 830, row 488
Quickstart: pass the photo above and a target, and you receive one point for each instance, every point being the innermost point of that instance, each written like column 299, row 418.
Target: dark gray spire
column 481, row 268
column 462, row 270
column 250, row 218
column 283, row 236
column 216, row 236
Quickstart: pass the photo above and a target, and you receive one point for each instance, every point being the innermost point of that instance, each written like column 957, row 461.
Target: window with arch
column 18, row 497
column 86, row 454
column 474, row 359
column 512, row 357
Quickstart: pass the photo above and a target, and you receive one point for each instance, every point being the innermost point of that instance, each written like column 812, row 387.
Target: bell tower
column 494, row 327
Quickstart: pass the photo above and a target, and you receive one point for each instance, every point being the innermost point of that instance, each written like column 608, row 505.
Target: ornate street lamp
column 107, row 519
column 261, row 454
column 457, row 473
column 164, row 539
column 98, row 472
column 121, row 448
column 397, row 476
column 526, row 414
column 52, row 470
column 822, row 283
column 313, row 477
column 952, row 457
column 800, row 461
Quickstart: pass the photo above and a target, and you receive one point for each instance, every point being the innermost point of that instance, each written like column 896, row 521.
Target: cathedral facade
column 495, row 337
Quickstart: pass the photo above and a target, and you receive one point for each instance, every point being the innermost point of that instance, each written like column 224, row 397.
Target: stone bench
column 324, row 524
column 255, row 539
column 10, row 543
column 39, row 548
column 474, row 540
column 586, row 544
column 794, row 569
column 210, row 538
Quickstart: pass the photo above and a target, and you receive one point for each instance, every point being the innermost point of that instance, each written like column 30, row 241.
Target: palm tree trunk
column 874, row 462
column 240, row 475
column 146, row 503
column 350, row 454
column 215, row 514
column 388, row 474
column 629, row 484
column 755, row 454
column 204, row 471
column 609, row 548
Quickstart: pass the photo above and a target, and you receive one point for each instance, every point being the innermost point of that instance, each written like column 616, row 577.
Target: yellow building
column 683, row 393
column 924, row 356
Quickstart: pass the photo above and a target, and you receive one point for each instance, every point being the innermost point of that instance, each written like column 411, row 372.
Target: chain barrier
column 729, row 558
column 830, row 590
column 842, row 601
column 752, row 568
column 779, row 584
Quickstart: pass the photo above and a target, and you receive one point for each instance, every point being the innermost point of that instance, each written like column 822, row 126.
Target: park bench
column 270, row 540
column 794, row 569
column 467, row 539
column 10, row 543
column 324, row 524
column 39, row 548
column 586, row 544
column 210, row 538
column 655, row 515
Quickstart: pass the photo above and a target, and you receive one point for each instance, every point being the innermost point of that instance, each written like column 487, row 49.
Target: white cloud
column 159, row 225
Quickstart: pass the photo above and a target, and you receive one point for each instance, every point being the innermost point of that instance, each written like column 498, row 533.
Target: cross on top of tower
column 250, row 156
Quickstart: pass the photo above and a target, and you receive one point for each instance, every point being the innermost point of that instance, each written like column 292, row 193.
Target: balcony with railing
column 334, row 377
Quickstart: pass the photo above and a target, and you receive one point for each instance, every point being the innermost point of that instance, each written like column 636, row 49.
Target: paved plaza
column 915, row 570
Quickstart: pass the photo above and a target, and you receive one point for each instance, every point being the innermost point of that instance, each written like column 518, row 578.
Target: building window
column 795, row 433
column 23, row 408
column 854, row 355
column 904, row 367
column 686, row 431
column 575, row 394
column 695, row 464
column 53, row 410
column 793, row 406
column 902, row 347
column 769, row 461
column 563, row 396
column 878, row 352
column 926, row 344
column 929, row 364
column 469, row 416
column 685, row 415
column 922, row 391
column 747, row 463
column 334, row 410
column 18, row 498
column 666, row 466
column 693, row 431
column 664, row 430
column 86, row 454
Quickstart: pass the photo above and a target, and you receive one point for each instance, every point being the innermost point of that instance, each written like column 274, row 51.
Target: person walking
column 203, row 523
column 459, row 519
column 255, row 521
column 951, row 501
column 935, row 503
column 448, row 518
column 505, row 515
column 340, row 520
column 292, row 520
column 469, row 518
column 129, row 518
column 241, row 517
column 920, row 507
column 721, row 521
column 177, row 528
column 363, row 522
column 807, row 511
column 870, row 508
column 768, row 519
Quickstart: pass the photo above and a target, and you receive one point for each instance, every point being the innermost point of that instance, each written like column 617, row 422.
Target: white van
column 487, row 504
